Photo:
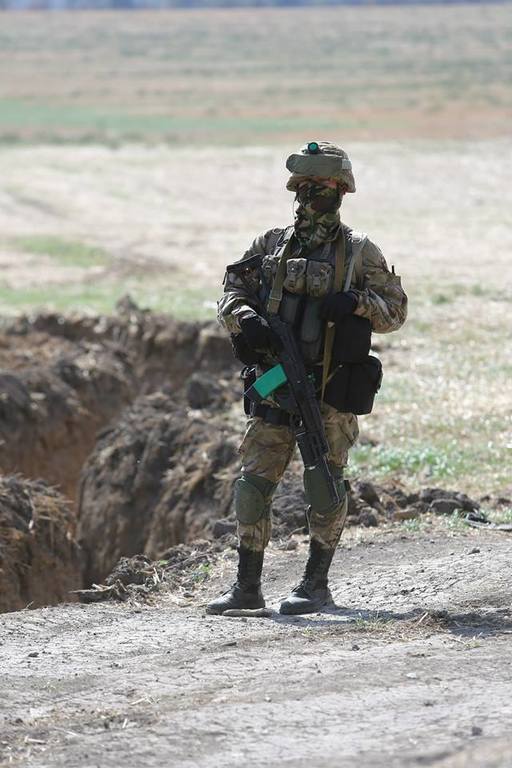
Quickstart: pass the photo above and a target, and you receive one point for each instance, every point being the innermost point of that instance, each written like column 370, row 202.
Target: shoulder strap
column 338, row 286
column 356, row 261
column 276, row 293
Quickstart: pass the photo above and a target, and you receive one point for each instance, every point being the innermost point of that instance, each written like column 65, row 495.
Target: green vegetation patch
column 410, row 460
column 468, row 464
column 102, row 296
column 66, row 252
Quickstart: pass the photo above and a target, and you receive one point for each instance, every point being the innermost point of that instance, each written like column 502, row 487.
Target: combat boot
column 312, row 594
column 246, row 591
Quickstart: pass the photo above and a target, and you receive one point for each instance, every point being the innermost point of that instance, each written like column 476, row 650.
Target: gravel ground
column 410, row 669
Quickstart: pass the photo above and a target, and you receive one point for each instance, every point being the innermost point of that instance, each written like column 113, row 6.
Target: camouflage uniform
column 267, row 448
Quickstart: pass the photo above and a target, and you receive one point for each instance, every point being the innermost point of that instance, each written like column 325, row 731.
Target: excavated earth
column 40, row 561
column 64, row 379
column 135, row 419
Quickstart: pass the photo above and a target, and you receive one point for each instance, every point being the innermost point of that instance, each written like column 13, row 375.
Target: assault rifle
column 295, row 389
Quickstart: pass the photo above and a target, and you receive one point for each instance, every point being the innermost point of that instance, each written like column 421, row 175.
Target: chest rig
column 296, row 281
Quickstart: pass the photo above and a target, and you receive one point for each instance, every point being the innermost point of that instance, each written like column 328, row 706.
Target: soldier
column 298, row 272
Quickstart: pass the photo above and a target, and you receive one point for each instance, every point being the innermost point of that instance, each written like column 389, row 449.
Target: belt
column 271, row 415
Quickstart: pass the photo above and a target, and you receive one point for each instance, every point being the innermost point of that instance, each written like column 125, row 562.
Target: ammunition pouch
column 311, row 333
column 353, row 386
column 253, row 495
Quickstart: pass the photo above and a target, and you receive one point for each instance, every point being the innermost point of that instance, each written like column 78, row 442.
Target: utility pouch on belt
column 248, row 376
column 353, row 386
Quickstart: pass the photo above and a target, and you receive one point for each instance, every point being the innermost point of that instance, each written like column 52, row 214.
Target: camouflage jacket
column 381, row 297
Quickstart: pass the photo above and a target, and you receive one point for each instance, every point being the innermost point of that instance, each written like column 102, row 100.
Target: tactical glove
column 243, row 352
column 336, row 306
column 259, row 335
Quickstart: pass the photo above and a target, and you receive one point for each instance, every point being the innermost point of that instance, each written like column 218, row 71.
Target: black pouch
column 352, row 340
column 353, row 386
column 248, row 376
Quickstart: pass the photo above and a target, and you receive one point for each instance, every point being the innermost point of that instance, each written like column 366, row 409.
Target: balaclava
column 317, row 217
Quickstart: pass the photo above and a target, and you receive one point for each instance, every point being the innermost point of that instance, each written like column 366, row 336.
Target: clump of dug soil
column 160, row 476
column 40, row 562
column 181, row 568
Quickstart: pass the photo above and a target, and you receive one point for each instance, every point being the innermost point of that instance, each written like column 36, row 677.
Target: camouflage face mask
column 317, row 216
column 318, row 197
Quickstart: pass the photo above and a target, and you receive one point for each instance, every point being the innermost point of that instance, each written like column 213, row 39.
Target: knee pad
column 253, row 494
column 317, row 495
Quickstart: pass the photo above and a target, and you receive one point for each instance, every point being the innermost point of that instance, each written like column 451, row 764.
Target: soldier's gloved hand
column 259, row 335
column 336, row 306
column 243, row 351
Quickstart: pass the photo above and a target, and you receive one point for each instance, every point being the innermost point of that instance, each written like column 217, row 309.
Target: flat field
column 212, row 101
column 252, row 76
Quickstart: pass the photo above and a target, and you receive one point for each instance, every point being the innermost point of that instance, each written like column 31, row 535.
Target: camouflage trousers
column 266, row 451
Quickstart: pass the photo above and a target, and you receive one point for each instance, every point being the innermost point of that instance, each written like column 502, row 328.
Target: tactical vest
column 305, row 279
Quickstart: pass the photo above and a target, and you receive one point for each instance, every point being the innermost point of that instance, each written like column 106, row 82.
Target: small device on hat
column 323, row 159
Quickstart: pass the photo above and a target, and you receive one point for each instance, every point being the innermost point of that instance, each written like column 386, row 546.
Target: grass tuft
column 65, row 252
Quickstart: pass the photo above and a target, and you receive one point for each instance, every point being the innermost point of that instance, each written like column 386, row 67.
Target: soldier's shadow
column 469, row 624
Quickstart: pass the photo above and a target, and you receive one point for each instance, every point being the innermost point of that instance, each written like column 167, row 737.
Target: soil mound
column 40, row 562
column 181, row 568
column 160, row 476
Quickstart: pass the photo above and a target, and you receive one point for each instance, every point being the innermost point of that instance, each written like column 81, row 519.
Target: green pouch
column 266, row 384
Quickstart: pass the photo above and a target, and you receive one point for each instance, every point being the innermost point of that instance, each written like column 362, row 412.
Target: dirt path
column 412, row 669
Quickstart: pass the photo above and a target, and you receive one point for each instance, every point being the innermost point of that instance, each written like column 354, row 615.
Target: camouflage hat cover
column 322, row 159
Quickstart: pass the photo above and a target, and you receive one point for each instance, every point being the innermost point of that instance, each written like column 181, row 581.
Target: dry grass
column 249, row 76
column 165, row 230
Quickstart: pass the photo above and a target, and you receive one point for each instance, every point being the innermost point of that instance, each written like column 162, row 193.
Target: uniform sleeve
column 236, row 302
column 382, row 300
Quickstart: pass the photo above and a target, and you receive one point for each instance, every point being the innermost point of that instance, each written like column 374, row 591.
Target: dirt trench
column 135, row 411
column 63, row 378
column 163, row 475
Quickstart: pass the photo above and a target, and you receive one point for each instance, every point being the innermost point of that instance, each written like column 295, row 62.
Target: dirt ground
column 411, row 669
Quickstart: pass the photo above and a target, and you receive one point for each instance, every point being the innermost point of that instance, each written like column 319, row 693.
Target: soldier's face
column 323, row 195
column 325, row 182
